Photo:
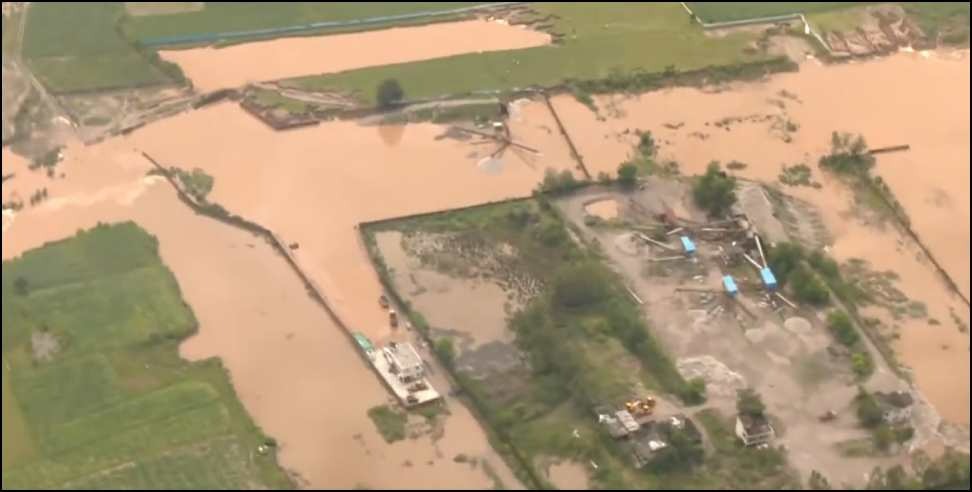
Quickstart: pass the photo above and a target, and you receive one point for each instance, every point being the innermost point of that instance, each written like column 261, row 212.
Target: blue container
column 688, row 246
column 730, row 285
column 769, row 281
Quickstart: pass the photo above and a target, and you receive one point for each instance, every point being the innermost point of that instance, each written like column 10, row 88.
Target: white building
column 404, row 362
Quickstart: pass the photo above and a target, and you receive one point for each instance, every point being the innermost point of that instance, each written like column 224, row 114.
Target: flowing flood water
column 903, row 99
column 295, row 371
column 219, row 68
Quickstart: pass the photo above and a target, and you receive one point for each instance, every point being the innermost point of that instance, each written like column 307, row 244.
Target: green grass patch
column 595, row 43
column 951, row 19
column 77, row 47
column 196, row 182
column 733, row 11
column 390, row 424
column 95, row 393
column 218, row 17
column 837, row 20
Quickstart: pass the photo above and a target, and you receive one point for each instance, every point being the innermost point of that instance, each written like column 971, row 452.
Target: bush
column 390, row 423
column 21, row 286
column 848, row 155
column 551, row 234
column 808, row 288
column 581, row 285
column 862, row 364
column 446, row 350
column 389, row 93
column 694, row 392
column 714, row 191
column 627, row 174
column 783, row 259
column 818, row 482
column 842, row 328
column 883, row 437
column 603, row 177
column 749, row 403
column 869, row 413
column 554, row 182
column 646, row 144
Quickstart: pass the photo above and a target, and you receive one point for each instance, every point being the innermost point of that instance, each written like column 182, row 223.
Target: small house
column 754, row 431
column 730, row 286
column 769, row 280
column 404, row 361
column 688, row 246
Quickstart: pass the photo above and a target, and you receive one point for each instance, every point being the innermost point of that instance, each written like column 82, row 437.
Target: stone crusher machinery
column 641, row 407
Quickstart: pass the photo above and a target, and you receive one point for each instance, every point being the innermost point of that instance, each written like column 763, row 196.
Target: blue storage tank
column 730, row 285
column 769, row 281
column 688, row 246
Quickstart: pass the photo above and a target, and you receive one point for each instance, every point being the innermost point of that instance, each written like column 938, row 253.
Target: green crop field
column 227, row 17
column 730, row 11
column 596, row 42
column 95, row 394
column 77, row 46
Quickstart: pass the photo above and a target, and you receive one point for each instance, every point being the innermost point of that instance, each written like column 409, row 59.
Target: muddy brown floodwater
column 218, row 68
column 902, row 99
column 294, row 370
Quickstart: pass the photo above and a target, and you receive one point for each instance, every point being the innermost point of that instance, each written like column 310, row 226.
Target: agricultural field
column 570, row 316
column 950, row 19
column 95, row 394
column 731, row 11
column 218, row 17
column 69, row 59
column 595, row 43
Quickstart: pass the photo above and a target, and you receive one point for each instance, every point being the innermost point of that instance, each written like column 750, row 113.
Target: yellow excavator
column 642, row 407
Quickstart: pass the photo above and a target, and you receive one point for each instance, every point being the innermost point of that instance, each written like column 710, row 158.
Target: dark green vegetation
column 750, row 404
column 587, row 50
column 734, row 466
column 644, row 162
column 390, row 424
column 554, row 182
column 227, row 17
column 389, row 93
column 870, row 414
column 945, row 21
column 77, row 47
column 588, row 348
column 796, row 175
column 731, row 11
column 813, row 278
column 95, row 394
column 714, row 191
column 196, row 182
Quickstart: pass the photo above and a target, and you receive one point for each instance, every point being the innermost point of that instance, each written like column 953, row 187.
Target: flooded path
column 606, row 209
column 295, row 372
column 903, row 99
column 219, row 68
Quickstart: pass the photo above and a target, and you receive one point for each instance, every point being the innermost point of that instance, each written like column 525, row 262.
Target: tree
column 390, row 93
column 715, row 191
column 848, row 155
column 682, row 453
column 446, row 350
column 603, row 177
column 695, row 392
column 808, row 288
column 627, row 174
column 818, row 482
column 646, row 144
column 868, row 411
column 842, row 328
column 21, row 286
column 861, row 364
column 784, row 258
column 749, row 403
column 580, row 285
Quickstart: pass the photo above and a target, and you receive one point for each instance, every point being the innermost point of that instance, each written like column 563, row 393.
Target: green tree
column 869, row 413
column 862, row 364
column 446, row 350
column 848, row 155
column 627, row 174
column 715, row 192
column 783, row 259
column 21, row 286
column 843, row 330
column 389, row 93
column 695, row 392
column 808, row 288
column 580, row 285
column 646, row 144
column 749, row 403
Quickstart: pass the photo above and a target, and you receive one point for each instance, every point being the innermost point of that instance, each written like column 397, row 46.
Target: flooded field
column 788, row 120
column 218, row 68
column 284, row 354
column 314, row 186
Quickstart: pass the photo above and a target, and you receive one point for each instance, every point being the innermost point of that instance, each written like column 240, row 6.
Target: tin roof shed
column 769, row 281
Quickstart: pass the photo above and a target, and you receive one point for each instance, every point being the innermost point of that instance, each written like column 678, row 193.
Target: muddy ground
column 787, row 355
